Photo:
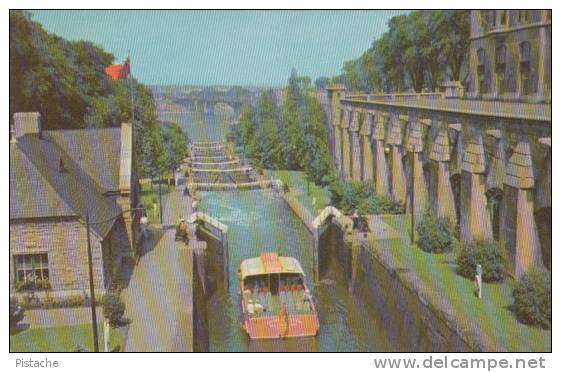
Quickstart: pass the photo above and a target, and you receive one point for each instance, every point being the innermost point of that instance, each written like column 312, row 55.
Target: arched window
column 500, row 67
column 481, row 71
column 525, row 68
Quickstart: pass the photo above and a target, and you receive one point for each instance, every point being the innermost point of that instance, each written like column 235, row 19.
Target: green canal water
column 199, row 126
column 258, row 222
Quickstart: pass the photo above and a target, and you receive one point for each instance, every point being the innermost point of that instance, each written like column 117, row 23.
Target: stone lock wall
column 412, row 324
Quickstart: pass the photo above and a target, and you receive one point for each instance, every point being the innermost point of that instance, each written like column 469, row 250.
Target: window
column 502, row 17
column 488, row 20
column 523, row 17
column 525, row 68
column 31, row 267
column 481, row 71
column 534, row 16
column 500, row 67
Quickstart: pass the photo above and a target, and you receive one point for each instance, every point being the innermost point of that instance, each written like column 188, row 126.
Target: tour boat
column 275, row 300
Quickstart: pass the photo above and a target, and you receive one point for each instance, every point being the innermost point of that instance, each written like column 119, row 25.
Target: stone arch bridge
column 207, row 99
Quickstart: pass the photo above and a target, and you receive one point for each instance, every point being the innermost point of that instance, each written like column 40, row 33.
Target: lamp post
column 90, row 271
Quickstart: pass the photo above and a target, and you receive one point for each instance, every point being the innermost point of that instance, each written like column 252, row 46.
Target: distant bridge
column 206, row 99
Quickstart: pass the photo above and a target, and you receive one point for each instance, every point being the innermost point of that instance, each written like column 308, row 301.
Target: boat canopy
column 270, row 263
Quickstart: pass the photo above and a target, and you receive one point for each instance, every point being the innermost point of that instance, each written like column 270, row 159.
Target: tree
column 175, row 144
column 322, row 82
column 267, row 120
column 389, row 57
column 431, row 49
column 419, row 48
column 372, row 71
column 350, row 73
column 293, row 136
column 292, row 112
column 452, row 37
column 407, row 35
column 65, row 82
column 16, row 313
column 154, row 154
column 113, row 309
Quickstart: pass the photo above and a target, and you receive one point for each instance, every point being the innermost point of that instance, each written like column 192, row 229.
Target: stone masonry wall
column 412, row 322
column 65, row 242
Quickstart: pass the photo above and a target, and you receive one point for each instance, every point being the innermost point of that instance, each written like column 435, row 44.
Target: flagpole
column 136, row 253
column 130, row 88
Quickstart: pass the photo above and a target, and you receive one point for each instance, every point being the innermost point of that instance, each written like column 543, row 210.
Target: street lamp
column 90, row 271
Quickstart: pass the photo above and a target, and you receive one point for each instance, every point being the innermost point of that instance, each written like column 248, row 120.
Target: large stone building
column 58, row 178
column 482, row 159
column 510, row 55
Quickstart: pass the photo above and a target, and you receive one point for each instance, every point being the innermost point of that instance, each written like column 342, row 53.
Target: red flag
column 118, row 71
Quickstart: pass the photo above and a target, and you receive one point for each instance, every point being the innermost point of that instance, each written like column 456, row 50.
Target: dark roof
column 40, row 188
column 96, row 151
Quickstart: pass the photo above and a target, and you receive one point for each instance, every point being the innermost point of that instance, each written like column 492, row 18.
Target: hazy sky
column 224, row 47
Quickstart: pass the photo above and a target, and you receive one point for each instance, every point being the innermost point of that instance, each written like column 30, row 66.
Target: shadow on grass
column 20, row 327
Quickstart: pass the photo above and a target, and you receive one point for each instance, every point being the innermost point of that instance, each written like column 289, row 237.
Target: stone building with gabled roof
column 58, row 178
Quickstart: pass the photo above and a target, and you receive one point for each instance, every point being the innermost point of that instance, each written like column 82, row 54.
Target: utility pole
column 160, row 192
column 92, row 291
column 412, row 197
column 90, row 268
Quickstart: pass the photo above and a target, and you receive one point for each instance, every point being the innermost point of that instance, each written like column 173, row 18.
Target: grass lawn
column 297, row 180
column 149, row 195
column 63, row 339
column 490, row 315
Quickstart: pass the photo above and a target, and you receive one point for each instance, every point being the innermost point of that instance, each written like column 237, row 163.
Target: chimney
column 27, row 123
column 61, row 167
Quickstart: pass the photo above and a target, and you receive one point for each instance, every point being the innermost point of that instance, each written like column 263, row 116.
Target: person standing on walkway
column 144, row 226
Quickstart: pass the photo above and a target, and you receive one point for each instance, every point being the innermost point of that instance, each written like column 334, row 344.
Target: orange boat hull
column 276, row 326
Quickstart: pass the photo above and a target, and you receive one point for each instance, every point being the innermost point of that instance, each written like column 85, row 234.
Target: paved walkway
column 158, row 298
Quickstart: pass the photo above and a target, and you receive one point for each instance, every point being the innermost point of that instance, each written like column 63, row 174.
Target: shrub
column 16, row 313
column 113, row 309
column 348, row 195
column 387, row 205
column 433, row 233
column 68, row 301
column 30, row 300
column 33, row 284
column 368, row 206
column 488, row 255
column 532, row 298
